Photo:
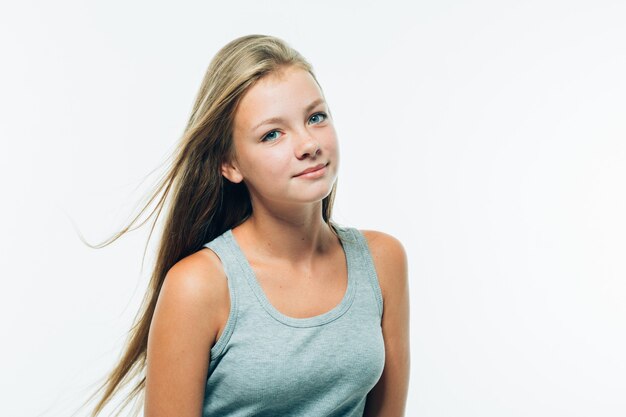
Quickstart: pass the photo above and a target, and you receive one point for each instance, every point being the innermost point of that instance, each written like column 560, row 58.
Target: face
column 282, row 127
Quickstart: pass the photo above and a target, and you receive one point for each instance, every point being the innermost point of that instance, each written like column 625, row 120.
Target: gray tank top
column 268, row 364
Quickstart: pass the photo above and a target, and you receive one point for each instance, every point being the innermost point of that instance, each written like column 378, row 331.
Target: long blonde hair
column 201, row 203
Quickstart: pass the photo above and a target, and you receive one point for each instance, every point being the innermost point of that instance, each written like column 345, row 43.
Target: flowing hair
column 200, row 203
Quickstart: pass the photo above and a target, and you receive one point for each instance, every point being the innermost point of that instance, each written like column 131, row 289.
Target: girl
column 259, row 303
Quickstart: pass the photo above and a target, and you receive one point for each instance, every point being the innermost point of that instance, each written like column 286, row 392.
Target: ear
column 231, row 172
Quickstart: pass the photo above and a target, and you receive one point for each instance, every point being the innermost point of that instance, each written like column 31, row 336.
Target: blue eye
column 268, row 136
column 317, row 118
column 320, row 114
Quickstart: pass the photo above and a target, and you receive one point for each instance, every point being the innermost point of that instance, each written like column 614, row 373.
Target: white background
column 487, row 136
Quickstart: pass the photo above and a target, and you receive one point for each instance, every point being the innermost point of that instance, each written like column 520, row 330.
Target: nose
column 307, row 146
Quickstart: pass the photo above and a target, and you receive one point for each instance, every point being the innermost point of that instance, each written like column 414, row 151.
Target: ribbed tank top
column 268, row 364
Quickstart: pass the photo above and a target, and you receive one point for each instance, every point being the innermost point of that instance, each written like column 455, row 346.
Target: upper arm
column 182, row 331
column 388, row 397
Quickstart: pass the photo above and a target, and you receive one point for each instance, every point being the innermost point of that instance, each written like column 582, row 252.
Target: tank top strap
column 365, row 267
column 222, row 248
column 220, row 245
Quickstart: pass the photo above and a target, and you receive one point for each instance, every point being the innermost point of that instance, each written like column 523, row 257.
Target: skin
column 296, row 258
column 286, row 209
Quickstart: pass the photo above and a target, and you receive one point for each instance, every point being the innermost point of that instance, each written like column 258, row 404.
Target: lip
column 311, row 169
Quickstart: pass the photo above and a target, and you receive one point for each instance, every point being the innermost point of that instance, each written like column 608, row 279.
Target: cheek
column 330, row 139
column 271, row 163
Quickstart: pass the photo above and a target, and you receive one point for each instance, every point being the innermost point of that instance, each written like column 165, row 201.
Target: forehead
column 279, row 94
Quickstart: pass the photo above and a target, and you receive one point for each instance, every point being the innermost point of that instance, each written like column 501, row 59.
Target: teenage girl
column 260, row 304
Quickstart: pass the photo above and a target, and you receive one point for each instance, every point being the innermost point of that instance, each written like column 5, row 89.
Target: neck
column 296, row 237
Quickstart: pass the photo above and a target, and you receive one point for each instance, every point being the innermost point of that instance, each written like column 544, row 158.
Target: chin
column 315, row 197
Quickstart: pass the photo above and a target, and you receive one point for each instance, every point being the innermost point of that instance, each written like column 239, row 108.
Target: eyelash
column 263, row 139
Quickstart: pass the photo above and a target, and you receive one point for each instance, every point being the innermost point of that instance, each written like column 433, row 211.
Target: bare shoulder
column 203, row 268
column 182, row 330
column 383, row 241
column 388, row 397
column 390, row 261
column 200, row 280
column 194, row 294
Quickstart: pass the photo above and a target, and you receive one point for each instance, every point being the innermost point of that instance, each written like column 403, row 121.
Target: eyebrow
column 280, row 119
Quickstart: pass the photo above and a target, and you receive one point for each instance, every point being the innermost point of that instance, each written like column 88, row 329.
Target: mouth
column 312, row 169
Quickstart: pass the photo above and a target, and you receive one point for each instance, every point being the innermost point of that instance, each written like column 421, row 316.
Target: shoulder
column 197, row 275
column 182, row 330
column 383, row 241
column 390, row 261
column 389, row 395
column 385, row 248
column 196, row 286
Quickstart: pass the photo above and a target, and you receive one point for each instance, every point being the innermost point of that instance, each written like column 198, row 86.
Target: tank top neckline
column 319, row 319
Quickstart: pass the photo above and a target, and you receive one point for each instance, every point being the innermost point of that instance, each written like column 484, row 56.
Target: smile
column 313, row 174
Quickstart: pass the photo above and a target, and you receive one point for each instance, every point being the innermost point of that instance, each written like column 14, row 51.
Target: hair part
column 200, row 203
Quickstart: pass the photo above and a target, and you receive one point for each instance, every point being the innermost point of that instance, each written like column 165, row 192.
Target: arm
column 182, row 331
column 388, row 397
